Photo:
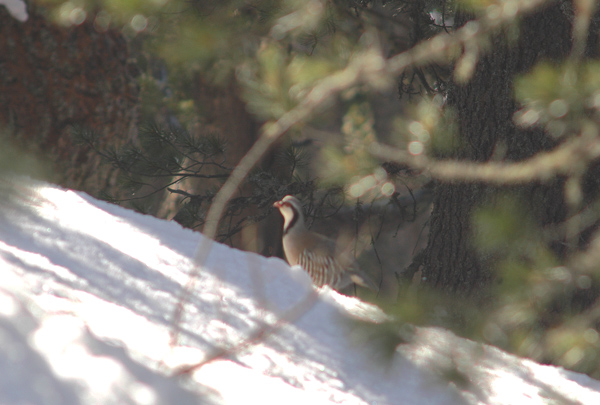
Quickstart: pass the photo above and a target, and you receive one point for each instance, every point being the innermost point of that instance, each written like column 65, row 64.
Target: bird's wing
column 326, row 267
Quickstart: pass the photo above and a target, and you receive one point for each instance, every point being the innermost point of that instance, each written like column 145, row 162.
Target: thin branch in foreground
column 543, row 166
column 260, row 334
column 368, row 67
column 364, row 68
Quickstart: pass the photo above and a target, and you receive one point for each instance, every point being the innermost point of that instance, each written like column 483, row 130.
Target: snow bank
column 88, row 294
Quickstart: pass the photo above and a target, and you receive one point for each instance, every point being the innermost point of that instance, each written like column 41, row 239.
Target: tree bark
column 53, row 77
column 485, row 106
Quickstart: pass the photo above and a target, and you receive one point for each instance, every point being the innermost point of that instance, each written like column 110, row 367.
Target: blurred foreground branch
column 563, row 160
column 257, row 335
column 368, row 67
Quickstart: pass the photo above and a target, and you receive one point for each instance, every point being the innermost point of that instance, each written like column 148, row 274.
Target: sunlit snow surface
column 87, row 296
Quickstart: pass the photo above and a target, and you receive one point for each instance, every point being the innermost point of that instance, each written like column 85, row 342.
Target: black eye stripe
column 294, row 218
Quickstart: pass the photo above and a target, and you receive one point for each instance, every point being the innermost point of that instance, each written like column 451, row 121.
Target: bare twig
column 259, row 334
column 368, row 67
column 543, row 166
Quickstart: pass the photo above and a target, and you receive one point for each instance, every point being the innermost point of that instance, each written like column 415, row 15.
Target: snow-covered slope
column 87, row 297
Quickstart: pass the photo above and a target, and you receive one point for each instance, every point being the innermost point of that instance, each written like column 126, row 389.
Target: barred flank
column 323, row 270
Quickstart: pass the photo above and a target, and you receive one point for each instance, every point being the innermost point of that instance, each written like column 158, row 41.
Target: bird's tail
column 364, row 280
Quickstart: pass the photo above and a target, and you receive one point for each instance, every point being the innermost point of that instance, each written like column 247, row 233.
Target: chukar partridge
column 316, row 253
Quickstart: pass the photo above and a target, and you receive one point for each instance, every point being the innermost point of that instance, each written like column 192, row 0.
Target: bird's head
column 291, row 210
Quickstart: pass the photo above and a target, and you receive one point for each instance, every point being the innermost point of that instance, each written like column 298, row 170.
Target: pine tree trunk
column 485, row 107
column 222, row 113
column 52, row 77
